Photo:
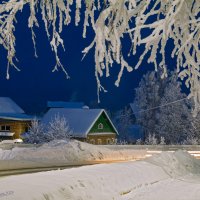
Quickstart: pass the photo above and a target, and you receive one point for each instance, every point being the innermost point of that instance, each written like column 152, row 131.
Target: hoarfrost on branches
column 165, row 111
column 191, row 141
column 151, row 140
column 147, row 96
column 174, row 121
column 35, row 135
column 162, row 140
column 163, row 20
column 56, row 129
column 59, row 128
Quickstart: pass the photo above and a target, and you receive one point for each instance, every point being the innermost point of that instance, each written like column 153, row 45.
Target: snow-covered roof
column 16, row 116
column 64, row 104
column 7, row 105
column 79, row 120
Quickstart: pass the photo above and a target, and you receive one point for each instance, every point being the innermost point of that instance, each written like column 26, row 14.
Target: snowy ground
column 72, row 153
column 167, row 176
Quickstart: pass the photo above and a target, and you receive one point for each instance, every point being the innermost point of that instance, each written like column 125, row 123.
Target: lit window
column 99, row 141
column 113, row 140
column 100, row 126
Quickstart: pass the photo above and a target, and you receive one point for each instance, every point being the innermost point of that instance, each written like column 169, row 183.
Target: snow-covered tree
column 112, row 20
column 151, row 139
column 147, row 96
column 139, row 141
column 194, row 136
column 174, row 119
column 191, row 141
column 59, row 129
column 35, row 135
column 164, row 110
column 162, row 140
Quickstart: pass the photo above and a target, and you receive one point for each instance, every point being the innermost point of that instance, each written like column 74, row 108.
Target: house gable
column 102, row 125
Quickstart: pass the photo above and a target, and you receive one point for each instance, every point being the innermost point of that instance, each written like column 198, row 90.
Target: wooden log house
column 13, row 120
column 89, row 125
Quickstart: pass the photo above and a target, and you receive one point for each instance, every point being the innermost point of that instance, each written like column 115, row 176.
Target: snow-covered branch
column 59, row 129
column 151, row 24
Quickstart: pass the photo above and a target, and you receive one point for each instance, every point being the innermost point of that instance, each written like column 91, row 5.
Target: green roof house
column 89, row 125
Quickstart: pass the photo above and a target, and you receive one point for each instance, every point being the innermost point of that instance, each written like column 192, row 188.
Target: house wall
column 101, row 139
column 101, row 136
column 18, row 127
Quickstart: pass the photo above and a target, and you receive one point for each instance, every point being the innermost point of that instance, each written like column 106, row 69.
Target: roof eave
column 111, row 122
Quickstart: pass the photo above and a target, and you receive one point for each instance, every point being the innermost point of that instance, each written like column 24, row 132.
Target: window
column 114, row 141
column 92, row 141
column 108, row 141
column 100, row 126
column 5, row 128
column 99, row 141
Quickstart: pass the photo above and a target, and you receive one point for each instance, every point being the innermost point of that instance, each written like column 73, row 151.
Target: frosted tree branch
column 112, row 20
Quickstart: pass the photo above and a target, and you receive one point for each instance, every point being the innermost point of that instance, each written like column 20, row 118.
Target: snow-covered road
column 30, row 170
column 168, row 176
column 165, row 175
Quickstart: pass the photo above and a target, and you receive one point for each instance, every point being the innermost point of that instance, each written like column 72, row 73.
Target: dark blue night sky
column 36, row 83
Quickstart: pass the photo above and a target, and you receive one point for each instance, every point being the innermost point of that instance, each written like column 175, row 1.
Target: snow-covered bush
column 162, row 140
column 122, row 142
column 58, row 129
column 151, row 139
column 111, row 20
column 139, row 141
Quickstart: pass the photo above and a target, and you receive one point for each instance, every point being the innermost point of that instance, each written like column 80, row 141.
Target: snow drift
column 176, row 164
column 62, row 153
column 140, row 180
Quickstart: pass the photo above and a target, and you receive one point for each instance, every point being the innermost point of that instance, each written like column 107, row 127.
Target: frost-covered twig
column 162, row 21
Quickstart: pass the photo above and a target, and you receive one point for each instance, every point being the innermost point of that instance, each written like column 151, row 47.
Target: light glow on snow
column 174, row 176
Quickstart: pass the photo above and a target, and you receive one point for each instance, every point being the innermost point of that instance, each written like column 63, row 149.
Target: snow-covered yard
column 167, row 176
